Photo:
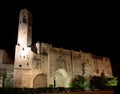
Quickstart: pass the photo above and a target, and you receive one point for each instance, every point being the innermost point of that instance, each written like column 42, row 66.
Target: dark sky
column 79, row 26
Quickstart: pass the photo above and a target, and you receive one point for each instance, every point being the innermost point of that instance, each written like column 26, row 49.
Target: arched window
column 24, row 19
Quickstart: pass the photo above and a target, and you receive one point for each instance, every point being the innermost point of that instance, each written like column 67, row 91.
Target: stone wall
column 55, row 66
column 6, row 69
column 66, row 64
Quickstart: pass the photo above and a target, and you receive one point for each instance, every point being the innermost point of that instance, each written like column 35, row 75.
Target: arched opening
column 61, row 78
column 40, row 80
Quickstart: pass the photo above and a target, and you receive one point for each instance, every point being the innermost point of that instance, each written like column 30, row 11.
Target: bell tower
column 22, row 62
column 24, row 40
column 25, row 29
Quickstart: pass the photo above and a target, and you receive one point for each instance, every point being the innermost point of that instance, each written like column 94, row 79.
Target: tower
column 24, row 40
column 22, row 63
column 25, row 29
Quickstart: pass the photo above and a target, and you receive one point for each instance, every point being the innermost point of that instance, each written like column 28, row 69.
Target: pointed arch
column 61, row 78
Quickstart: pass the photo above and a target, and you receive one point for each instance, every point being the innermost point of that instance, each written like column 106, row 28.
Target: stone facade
column 42, row 65
column 6, row 69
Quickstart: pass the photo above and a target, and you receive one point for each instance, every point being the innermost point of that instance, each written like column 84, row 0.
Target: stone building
column 42, row 65
column 6, row 69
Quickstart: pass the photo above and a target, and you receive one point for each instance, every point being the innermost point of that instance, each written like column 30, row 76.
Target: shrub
column 80, row 83
column 112, row 82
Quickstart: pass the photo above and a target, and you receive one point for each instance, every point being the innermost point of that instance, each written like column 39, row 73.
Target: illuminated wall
column 41, row 64
column 66, row 64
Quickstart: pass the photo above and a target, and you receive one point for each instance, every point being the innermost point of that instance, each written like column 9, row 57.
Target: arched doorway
column 61, row 78
column 40, row 80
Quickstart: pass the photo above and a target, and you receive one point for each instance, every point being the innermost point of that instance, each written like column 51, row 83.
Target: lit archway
column 61, row 78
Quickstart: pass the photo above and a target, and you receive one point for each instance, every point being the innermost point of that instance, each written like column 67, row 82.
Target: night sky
column 78, row 26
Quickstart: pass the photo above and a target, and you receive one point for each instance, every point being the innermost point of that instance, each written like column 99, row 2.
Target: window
column 24, row 19
column 20, row 65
